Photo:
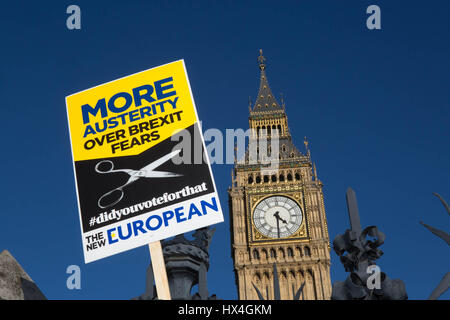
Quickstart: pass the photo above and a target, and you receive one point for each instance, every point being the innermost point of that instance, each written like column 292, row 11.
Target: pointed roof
column 266, row 100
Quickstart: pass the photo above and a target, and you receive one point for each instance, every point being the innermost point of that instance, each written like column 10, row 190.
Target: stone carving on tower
column 277, row 213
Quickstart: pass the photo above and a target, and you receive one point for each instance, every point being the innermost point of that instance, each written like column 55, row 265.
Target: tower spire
column 266, row 100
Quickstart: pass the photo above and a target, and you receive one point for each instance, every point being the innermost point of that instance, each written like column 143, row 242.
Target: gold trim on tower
column 254, row 236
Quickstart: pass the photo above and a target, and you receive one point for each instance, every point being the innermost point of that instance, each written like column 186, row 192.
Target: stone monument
column 187, row 264
column 15, row 283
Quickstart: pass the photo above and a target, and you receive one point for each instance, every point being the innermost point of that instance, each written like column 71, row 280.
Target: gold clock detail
column 277, row 217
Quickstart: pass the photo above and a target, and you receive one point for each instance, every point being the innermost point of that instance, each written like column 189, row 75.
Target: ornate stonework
column 300, row 256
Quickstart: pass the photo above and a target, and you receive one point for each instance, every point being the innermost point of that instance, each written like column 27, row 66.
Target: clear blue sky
column 374, row 105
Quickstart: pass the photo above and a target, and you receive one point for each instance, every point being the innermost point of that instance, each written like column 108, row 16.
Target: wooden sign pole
column 159, row 270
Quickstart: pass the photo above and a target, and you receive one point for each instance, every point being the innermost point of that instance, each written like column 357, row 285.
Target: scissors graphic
column 146, row 172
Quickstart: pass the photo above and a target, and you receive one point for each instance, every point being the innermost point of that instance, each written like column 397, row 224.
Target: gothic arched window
column 273, row 254
column 290, row 252
column 307, row 251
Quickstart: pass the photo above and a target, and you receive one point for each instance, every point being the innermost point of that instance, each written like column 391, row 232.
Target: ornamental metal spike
column 276, row 284
column 440, row 233
column 444, row 284
column 441, row 288
column 276, row 288
column 299, row 291
column 443, row 203
column 353, row 212
column 258, row 292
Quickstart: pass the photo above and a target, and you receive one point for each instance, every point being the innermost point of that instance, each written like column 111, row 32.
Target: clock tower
column 277, row 216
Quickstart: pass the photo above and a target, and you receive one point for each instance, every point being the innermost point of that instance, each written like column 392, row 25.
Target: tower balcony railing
column 261, row 162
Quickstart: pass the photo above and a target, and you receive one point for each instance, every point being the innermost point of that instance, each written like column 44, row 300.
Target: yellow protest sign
column 131, row 190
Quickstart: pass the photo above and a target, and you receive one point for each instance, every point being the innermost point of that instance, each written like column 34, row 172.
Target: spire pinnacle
column 282, row 101
column 306, row 147
column 261, row 60
column 315, row 172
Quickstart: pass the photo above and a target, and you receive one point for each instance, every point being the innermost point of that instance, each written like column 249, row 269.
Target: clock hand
column 277, row 216
column 278, row 228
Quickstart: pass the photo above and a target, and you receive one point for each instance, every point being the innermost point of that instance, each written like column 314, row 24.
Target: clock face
column 277, row 217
